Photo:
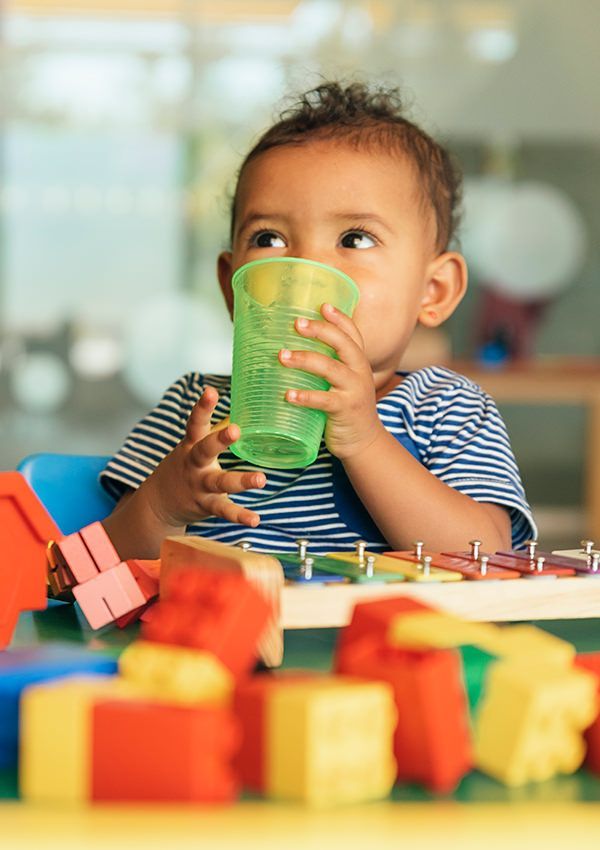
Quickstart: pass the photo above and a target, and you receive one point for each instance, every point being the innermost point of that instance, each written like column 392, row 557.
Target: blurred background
column 122, row 125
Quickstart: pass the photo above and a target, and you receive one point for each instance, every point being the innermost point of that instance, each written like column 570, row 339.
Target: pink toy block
column 70, row 551
column 109, row 595
column 100, row 546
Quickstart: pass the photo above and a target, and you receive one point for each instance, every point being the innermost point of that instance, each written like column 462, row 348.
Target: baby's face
column 357, row 210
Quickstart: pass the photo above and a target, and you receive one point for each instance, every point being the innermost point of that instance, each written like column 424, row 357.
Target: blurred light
column 96, row 357
column 242, row 83
column 40, row 382
column 492, row 44
column 312, row 21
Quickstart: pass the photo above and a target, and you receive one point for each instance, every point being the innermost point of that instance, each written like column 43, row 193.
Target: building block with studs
column 330, row 741
column 220, row 612
column 530, row 722
column 56, row 737
column 176, row 673
column 149, row 751
column 27, row 666
column 109, row 595
column 591, row 662
column 25, row 529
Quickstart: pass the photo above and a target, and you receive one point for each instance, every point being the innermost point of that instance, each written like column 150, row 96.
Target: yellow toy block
column 56, row 737
column 176, row 673
column 409, row 569
column 331, row 741
column 530, row 723
column 436, row 630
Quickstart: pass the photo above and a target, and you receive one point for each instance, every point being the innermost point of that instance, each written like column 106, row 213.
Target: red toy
column 591, row 662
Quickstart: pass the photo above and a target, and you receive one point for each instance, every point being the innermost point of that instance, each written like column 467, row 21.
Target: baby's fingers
column 232, row 482
column 208, row 448
column 223, row 507
column 198, row 425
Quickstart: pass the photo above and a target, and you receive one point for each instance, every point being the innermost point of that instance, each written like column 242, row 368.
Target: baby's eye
column 358, row 239
column 267, row 239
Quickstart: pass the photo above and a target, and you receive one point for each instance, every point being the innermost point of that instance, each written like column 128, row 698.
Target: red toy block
column 591, row 662
column 99, row 545
column 250, row 707
column 149, row 751
column 215, row 611
column 25, row 529
column 432, row 742
column 109, row 595
column 72, row 555
column 144, row 573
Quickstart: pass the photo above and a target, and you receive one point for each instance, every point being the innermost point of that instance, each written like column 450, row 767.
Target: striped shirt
column 443, row 419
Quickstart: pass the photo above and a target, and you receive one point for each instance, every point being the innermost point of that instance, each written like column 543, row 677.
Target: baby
column 345, row 179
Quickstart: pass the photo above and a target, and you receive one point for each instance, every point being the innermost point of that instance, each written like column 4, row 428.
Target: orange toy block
column 71, row 554
column 219, row 612
column 146, row 575
column 60, row 580
column 109, row 595
column 100, row 546
column 148, row 751
column 25, row 529
column 591, row 662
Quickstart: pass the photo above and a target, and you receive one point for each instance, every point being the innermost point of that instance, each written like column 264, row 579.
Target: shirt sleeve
column 470, row 451
column 153, row 437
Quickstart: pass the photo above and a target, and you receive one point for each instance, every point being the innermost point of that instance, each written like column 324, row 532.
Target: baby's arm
column 187, row 486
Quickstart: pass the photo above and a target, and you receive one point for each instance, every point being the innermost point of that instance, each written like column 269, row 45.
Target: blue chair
column 68, row 487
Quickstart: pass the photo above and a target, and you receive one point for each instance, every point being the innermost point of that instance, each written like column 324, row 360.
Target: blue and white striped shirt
column 443, row 419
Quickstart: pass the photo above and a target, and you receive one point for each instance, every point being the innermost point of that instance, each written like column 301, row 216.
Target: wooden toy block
column 147, row 751
column 330, row 741
column 250, row 708
column 432, row 744
column 176, row 673
column 264, row 572
column 109, row 595
column 530, row 723
column 71, row 554
column 217, row 611
column 534, row 569
column 25, row 528
column 591, row 662
column 56, row 737
column 468, row 568
column 60, row 580
column 146, row 575
column 99, row 546
column 22, row 667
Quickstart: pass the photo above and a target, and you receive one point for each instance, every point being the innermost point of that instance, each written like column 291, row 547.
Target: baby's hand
column 189, row 484
column 352, row 420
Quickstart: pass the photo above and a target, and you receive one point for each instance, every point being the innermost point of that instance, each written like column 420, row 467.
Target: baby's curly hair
column 370, row 118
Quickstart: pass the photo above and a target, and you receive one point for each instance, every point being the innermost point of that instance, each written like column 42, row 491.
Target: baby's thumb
column 198, row 425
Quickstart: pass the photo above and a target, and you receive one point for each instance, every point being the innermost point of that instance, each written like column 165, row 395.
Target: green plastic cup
column 269, row 295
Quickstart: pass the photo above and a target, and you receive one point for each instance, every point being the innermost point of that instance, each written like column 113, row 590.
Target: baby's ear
column 224, row 273
column 445, row 287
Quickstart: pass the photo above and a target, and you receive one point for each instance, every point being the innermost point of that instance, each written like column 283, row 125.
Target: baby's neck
column 388, row 385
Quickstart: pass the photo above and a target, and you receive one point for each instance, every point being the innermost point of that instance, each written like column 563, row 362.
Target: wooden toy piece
column 146, row 574
column 60, row 580
column 263, row 571
column 22, row 667
column 472, row 571
column 148, row 751
column 363, row 566
column 72, row 555
column 176, row 673
column 535, row 567
column 25, row 528
column 216, row 611
column 432, row 743
column 421, row 570
column 303, row 568
column 56, row 736
column 250, row 705
column 100, row 546
column 530, row 722
column 591, row 662
column 583, row 561
column 108, row 596
column 329, row 741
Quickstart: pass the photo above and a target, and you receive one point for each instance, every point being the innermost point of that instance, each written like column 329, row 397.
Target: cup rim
column 237, row 273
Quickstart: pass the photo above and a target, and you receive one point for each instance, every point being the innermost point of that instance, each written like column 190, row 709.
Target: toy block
column 56, row 737
column 60, row 580
column 537, row 568
column 25, row 528
column 220, row 612
column 250, row 707
column 109, row 595
column 530, row 722
column 176, row 673
column 432, row 744
column 71, row 554
column 146, row 575
column 264, row 572
column 22, row 667
column 469, row 569
column 591, row 663
column 100, row 546
column 147, row 751
column 330, row 741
